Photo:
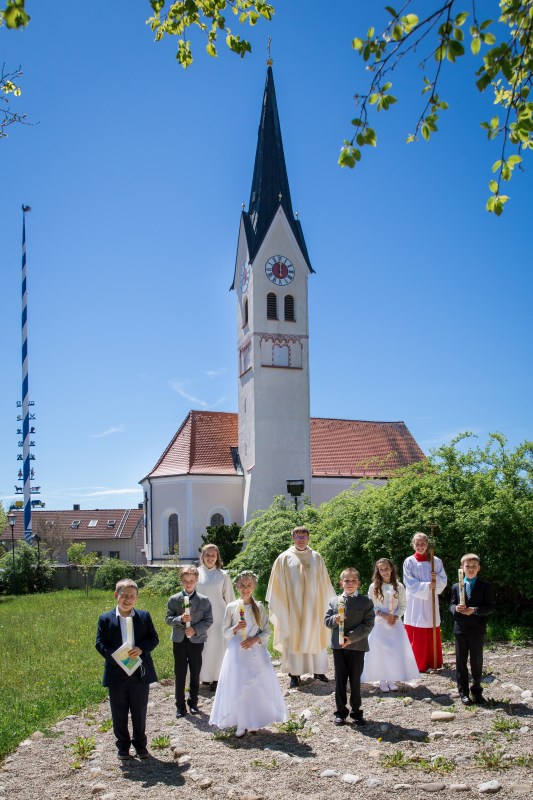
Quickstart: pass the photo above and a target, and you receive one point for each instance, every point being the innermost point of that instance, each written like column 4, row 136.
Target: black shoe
column 339, row 720
column 465, row 700
column 143, row 754
column 357, row 717
column 479, row 700
column 193, row 708
column 295, row 681
column 319, row 676
column 213, row 686
column 124, row 755
column 181, row 712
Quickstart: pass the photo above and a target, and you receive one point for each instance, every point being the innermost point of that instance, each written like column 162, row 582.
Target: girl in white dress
column 248, row 694
column 390, row 658
column 215, row 583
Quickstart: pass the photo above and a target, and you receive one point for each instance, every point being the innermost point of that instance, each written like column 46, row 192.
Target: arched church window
column 280, row 355
column 217, row 519
column 246, row 312
column 173, row 534
column 289, row 307
column 272, row 306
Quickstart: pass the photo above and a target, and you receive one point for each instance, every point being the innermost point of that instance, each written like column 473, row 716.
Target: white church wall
column 324, row 489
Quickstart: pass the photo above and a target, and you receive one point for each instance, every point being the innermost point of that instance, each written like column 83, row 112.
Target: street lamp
column 295, row 488
column 12, row 518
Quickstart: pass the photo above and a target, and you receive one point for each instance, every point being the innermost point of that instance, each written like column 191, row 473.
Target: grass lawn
column 50, row 665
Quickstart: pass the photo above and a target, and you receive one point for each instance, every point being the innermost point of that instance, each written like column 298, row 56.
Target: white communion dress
column 390, row 657
column 216, row 585
column 248, row 694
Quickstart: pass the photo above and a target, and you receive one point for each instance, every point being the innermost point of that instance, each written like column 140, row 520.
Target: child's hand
column 391, row 618
column 433, row 583
column 134, row 652
column 462, row 609
column 346, row 642
column 186, row 617
column 190, row 632
column 239, row 626
column 338, row 619
column 249, row 642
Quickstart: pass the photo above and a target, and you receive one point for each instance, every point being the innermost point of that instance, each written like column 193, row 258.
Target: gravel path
column 461, row 753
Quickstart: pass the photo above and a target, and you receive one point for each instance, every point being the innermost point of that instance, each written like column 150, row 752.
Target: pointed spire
column 270, row 183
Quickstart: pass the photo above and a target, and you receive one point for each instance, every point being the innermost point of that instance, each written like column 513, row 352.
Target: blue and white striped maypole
column 25, row 392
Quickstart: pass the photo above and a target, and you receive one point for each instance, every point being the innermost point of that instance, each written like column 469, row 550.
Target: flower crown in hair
column 246, row 573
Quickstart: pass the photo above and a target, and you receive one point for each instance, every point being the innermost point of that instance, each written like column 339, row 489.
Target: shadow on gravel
column 153, row 771
column 393, row 733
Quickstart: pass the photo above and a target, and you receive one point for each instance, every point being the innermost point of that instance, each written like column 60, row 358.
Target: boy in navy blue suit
column 128, row 693
column 469, row 624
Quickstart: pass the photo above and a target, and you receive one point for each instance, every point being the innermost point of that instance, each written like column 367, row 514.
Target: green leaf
column 485, row 24
column 211, row 49
column 493, row 186
column 357, row 44
column 440, row 53
column 514, row 160
column 373, row 99
column 475, row 45
column 461, row 18
column 496, row 166
column 397, row 33
column 370, row 137
column 425, row 132
column 488, row 38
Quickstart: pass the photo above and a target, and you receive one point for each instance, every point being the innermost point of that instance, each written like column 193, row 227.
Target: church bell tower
column 271, row 273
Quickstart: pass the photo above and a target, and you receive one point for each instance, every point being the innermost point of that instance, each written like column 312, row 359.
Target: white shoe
column 240, row 732
column 384, row 686
column 393, row 687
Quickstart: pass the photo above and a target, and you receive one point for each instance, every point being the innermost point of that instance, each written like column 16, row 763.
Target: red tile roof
column 126, row 522
column 339, row 447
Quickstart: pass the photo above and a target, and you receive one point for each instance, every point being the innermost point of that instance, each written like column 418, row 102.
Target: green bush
column 165, row 582
column 30, row 575
column 111, row 571
column 228, row 539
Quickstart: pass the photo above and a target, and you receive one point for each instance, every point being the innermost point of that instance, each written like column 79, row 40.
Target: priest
column 298, row 594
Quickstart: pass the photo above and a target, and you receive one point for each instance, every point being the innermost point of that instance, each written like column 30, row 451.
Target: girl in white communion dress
column 248, row 695
column 390, row 658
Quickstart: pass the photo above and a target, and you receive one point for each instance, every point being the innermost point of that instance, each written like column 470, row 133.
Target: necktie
column 468, row 589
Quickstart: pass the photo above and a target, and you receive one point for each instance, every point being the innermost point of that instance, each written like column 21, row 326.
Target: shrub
column 111, row 571
column 165, row 582
column 30, row 575
column 228, row 539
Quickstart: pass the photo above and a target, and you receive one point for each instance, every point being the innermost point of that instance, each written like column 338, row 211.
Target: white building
column 222, row 467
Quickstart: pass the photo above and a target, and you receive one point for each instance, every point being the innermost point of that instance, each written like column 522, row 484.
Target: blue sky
column 420, row 305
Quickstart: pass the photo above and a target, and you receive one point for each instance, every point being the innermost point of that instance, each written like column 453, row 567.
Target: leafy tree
column 76, row 554
column 505, row 58
column 31, row 575
column 267, row 534
column 55, row 536
column 228, row 539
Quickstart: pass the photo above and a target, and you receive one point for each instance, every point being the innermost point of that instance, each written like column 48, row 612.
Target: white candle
column 462, row 586
column 241, row 619
column 391, row 600
column 186, row 604
column 341, row 620
column 129, row 631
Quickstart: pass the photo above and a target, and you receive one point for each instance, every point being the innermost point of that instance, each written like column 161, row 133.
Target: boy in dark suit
column 128, row 693
column 190, row 616
column 469, row 625
column 349, row 655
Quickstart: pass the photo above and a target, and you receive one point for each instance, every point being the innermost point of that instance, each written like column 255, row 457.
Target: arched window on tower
column 217, row 519
column 173, row 534
column 289, row 308
column 246, row 312
column 272, row 306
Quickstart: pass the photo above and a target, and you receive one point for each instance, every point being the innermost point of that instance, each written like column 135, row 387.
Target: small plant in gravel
column 82, row 747
column 160, row 742
column 491, row 759
column 397, row 760
column 293, row 725
column 504, row 725
column 524, row 761
column 222, row 736
column 439, row 765
column 451, row 709
column 105, row 725
column 274, row 764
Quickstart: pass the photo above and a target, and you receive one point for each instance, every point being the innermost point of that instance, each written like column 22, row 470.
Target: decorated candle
column 462, row 586
column 129, row 631
column 341, row 620
column 241, row 619
column 391, row 600
column 186, row 606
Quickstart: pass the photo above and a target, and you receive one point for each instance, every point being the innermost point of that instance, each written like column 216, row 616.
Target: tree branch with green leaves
column 506, row 67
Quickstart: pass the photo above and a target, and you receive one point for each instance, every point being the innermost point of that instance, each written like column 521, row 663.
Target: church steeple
column 270, row 184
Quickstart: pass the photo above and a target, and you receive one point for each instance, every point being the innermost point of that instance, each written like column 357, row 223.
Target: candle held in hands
column 341, row 620
column 462, row 587
column 186, row 607
column 129, row 631
column 391, row 601
column 241, row 619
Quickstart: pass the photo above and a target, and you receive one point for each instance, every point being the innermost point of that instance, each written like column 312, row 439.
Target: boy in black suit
column 349, row 656
column 469, row 625
column 128, row 693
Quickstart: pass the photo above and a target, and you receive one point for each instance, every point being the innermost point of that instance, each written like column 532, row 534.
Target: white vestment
column 298, row 594
column 417, row 580
column 216, row 585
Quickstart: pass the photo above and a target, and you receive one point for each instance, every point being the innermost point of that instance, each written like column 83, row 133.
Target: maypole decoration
column 25, row 392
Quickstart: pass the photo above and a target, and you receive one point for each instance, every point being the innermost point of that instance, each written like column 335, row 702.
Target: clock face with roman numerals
column 279, row 270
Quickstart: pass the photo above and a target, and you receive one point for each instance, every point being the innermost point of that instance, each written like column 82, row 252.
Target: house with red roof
column 223, row 467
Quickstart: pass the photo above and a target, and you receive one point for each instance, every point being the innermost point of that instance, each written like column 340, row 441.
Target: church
column 222, row 467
